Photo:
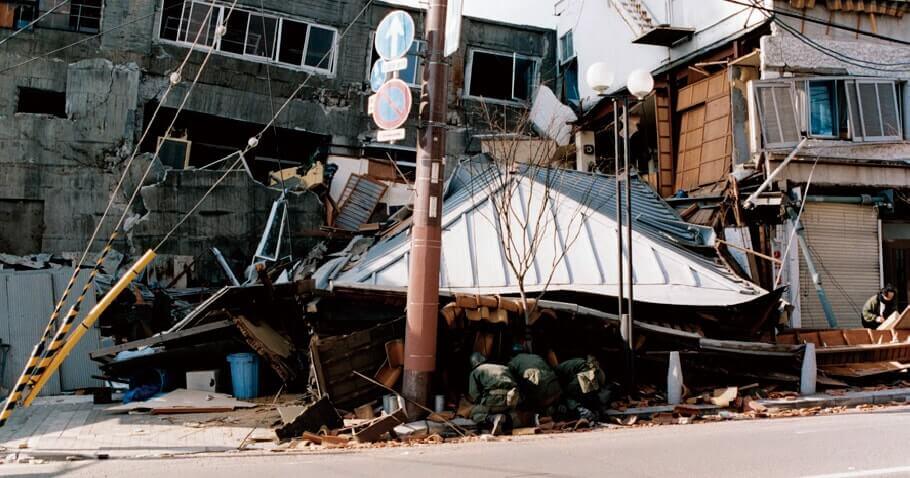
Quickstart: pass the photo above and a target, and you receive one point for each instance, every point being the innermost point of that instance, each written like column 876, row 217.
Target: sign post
column 426, row 233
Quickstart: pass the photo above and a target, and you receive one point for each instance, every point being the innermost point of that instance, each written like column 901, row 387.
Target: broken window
column 17, row 14
column 293, row 41
column 260, row 37
column 253, row 35
column 270, row 244
column 85, row 16
column 833, row 108
column 570, row 93
column 33, row 100
column 501, row 76
column 319, row 48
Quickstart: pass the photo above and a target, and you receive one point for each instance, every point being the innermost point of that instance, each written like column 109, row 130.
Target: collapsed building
column 782, row 125
column 85, row 84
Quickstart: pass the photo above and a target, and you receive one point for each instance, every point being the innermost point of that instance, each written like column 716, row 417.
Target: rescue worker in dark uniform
column 584, row 386
column 493, row 391
column 879, row 307
column 538, row 382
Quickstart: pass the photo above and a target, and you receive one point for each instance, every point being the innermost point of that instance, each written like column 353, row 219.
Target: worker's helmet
column 477, row 358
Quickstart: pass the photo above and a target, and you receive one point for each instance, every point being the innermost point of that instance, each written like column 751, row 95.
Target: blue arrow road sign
column 395, row 35
column 377, row 76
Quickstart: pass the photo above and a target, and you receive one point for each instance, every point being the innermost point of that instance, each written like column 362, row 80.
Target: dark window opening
column 293, row 40
column 319, row 48
column 208, row 138
column 570, row 93
column 234, row 38
column 170, row 19
column 33, row 100
column 17, row 14
column 85, row 16
column 260, row 37
column 502, row 77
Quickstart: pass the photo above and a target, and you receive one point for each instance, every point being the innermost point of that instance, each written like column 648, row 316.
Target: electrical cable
column 820, row 21
column 84, row 40
column 254, row 141
column 840, row 56
column 33, row 22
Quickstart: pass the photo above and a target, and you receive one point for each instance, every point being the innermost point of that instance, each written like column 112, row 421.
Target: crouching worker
column 879, row 308
column 584, row 386
column 493, row 391
column 540, row 387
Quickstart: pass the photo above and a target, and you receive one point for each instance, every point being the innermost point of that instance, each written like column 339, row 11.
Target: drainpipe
column 813, row 272
column 750, row 202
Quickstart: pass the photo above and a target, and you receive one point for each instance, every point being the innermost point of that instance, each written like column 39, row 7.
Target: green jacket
column 492, row 385
column 876, row 307
column 539, row 384
column 580, row 377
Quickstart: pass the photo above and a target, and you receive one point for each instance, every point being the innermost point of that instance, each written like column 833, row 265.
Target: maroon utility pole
column 426, row 241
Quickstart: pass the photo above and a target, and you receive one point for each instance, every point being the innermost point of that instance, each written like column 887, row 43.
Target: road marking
column 855, row 474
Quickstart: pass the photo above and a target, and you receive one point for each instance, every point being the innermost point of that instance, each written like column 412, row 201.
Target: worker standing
column 879, row 308
column 493, row 391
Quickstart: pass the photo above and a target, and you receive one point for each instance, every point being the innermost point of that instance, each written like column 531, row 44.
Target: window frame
column 852, row 104
column 222, row 8
column 835, row 114
column 532, row 88
column 897, row 109
column 563, row 59
column 794, row 96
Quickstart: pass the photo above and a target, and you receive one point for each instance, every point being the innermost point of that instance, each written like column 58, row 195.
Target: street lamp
column 640, row 84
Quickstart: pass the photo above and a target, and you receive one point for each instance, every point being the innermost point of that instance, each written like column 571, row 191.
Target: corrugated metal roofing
column 27, row 299
column 580, row 227
column 359, row 200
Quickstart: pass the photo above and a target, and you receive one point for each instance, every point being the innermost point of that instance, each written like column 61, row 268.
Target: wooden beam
column 160, row 339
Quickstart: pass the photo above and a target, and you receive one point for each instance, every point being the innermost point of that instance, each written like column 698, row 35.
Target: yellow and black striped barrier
column 36, row 360
column 62, row 345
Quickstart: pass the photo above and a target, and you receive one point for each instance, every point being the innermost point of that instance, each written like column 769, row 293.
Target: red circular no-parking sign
column 393, row 104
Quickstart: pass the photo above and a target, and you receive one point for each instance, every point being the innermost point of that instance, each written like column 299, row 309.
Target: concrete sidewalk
column 73, row 426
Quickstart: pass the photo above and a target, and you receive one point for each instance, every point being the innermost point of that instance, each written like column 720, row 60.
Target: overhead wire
column 33, row 22
column 85, row 40
column 42, row 354
column 254, row 141
column 840, row 56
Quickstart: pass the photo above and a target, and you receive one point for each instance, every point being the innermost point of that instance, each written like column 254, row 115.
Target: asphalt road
column 836, row 446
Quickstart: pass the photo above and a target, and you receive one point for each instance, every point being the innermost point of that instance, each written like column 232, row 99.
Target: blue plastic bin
column 244, row 375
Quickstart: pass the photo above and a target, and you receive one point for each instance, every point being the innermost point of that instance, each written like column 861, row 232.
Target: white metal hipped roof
column 578, row 250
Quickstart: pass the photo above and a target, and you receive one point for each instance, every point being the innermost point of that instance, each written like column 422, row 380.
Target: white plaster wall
column 601, row 34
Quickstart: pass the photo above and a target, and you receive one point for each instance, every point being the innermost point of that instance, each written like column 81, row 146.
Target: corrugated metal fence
column 27, row 299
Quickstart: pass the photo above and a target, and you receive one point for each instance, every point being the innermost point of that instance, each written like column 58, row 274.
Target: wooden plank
column 161, row 339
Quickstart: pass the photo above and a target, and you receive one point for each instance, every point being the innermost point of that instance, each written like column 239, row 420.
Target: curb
column 848, row 399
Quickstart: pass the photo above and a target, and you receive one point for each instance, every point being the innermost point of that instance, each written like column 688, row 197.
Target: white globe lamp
column 600, row 78
column 640, row 83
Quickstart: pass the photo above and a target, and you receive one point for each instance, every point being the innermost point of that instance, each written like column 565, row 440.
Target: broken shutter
column 879, row 114
column 705, row 142
column 777, row 113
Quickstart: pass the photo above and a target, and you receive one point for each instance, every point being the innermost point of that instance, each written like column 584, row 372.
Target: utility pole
column 426, row 235
column 629, row 317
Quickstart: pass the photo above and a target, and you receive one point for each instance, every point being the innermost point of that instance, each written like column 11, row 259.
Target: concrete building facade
column 83, row 80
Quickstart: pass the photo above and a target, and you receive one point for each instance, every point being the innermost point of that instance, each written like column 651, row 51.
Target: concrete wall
column 71, row 165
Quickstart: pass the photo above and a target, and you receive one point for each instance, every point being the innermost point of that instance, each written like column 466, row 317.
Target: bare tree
column 534, row 216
